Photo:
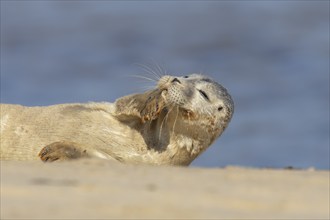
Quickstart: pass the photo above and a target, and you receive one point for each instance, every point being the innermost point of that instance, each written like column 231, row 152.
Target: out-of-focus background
column 272, row 56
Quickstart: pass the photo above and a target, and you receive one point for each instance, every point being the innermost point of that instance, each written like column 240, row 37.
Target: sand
column 98, row 189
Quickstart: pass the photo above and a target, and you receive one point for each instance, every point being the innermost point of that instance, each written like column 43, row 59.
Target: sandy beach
column 97, row 189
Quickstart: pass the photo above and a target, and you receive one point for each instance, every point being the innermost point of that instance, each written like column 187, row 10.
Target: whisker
column 144, row 82
column 176, row 117
column 143, row 77
column 145, row 88
column 161, row 125
column 149, row 70
column 158, row 67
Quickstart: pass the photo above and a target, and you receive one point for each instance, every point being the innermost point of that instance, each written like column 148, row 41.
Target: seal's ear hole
column 220, row 108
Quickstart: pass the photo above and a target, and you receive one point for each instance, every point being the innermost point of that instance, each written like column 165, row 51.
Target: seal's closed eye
column 204, row 95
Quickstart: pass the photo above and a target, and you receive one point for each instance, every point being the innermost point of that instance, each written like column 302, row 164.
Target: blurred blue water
column 273, row 57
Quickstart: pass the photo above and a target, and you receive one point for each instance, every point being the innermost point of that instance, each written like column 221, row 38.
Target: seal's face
column 198, row 97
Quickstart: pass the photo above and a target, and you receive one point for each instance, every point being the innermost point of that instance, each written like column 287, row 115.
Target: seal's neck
column 173, row 133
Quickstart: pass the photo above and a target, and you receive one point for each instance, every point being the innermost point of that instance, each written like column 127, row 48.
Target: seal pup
column 171, row 124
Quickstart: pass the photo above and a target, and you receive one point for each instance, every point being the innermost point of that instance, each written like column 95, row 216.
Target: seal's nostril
column 176, row 80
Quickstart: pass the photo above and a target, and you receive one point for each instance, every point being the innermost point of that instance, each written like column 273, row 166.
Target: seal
column 169, row 125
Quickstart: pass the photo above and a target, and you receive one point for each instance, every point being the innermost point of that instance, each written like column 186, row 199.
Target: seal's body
column 171, row 124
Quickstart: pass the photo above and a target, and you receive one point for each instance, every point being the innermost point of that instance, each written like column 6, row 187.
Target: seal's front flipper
column 63, row 150
column 144, row 107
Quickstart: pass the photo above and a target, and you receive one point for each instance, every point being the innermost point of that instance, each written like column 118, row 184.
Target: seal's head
column 198, row 98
